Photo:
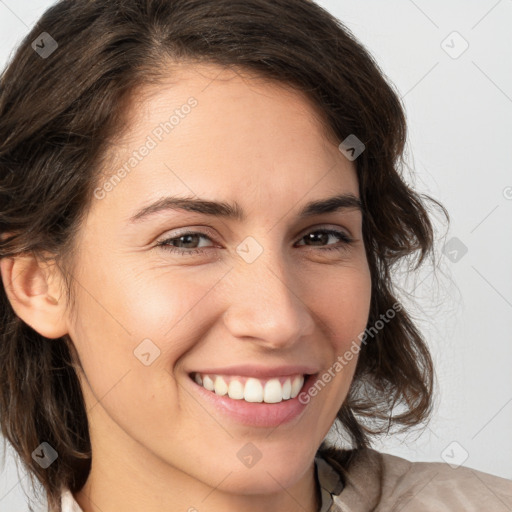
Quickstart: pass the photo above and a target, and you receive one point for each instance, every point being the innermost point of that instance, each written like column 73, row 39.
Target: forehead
column 211, row 130
column 227, row 100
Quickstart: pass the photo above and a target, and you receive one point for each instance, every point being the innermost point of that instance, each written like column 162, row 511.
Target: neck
column 118, row 489
column 126, row 476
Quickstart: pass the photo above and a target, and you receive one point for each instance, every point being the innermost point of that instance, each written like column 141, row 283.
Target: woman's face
column 273, row 294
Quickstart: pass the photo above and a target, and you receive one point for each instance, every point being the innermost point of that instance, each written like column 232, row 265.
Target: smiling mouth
column 249, row 389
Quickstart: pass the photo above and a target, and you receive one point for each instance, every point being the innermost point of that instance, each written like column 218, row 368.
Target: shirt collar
column 329, row 480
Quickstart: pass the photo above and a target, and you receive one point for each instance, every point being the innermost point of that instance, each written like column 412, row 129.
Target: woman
column 201, row 211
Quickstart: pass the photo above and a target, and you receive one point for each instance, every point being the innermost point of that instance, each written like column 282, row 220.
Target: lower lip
column 256, row 414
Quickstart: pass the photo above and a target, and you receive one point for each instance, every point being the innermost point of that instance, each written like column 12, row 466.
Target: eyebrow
column 235, row 211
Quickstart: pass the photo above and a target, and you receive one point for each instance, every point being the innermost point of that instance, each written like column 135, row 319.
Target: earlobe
column 32, row 288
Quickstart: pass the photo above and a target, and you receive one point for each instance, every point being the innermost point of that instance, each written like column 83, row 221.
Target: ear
column 34, row 291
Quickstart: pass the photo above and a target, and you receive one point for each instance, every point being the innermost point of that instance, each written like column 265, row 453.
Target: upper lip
column 261, row 372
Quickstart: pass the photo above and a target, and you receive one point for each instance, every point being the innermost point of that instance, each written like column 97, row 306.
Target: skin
column 156, row 446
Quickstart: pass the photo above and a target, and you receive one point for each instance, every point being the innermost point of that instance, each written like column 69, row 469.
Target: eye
column 189, row 238
column 325, row 235
column 317, row 238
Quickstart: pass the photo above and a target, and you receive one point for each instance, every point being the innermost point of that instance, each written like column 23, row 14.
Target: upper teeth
column 250, row 389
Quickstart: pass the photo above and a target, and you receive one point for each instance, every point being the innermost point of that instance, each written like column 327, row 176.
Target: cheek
column 342, row 300
column 139, row 321
column 172, row 307
column 129, row 303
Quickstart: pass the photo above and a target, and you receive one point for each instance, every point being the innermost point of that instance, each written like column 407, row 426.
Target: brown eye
column 321, row 237
column 187, row 239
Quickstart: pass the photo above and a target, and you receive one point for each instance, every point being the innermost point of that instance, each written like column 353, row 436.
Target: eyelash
column 165, row 243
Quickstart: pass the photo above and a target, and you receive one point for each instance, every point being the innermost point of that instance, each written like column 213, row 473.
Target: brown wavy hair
column 58, row 116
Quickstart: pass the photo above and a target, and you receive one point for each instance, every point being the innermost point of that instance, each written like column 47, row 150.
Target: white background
column 459, row 113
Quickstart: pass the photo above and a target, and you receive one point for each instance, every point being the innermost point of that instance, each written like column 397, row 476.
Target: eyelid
column 327, row 227
column 176, row 233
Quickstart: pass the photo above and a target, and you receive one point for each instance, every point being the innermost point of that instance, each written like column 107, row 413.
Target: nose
column 266, row 305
